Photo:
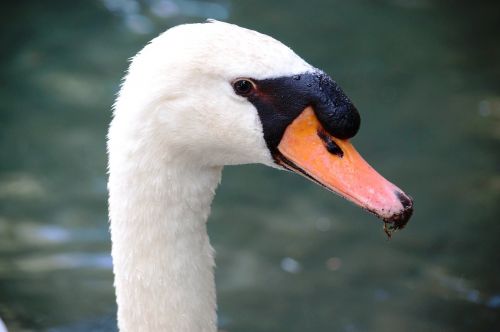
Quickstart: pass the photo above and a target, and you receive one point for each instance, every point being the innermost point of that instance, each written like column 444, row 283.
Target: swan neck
column 162, row 258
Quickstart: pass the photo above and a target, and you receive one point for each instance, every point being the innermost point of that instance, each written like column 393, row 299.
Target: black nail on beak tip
column 405, row 200
column 399, row 221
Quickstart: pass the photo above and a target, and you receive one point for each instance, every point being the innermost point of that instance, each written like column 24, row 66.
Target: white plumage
column 3, row 328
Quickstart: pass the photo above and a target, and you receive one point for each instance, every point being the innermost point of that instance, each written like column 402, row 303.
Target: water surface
column 291, row 256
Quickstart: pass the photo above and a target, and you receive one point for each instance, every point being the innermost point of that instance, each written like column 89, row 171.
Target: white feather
column 3, row 328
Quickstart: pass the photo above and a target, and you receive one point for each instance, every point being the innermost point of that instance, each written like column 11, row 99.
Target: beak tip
column 399, row 220
column 406, row 201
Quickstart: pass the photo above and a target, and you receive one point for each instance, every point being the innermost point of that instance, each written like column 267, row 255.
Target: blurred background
column 425, row 75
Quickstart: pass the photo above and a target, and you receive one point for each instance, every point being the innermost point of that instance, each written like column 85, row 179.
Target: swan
column 196, row 98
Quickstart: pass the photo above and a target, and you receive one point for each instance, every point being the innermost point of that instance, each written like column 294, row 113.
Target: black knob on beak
column 335, row 110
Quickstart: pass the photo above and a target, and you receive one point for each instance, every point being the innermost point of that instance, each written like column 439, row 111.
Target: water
column 291, row 257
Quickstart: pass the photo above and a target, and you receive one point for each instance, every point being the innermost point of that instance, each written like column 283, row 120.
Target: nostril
column 330, row 144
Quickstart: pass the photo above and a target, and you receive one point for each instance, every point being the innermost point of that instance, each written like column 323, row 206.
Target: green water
column 291, row 257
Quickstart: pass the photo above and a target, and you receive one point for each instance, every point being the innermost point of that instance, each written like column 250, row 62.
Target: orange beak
column 306, row 148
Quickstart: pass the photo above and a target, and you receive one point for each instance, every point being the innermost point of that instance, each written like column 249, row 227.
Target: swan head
column 215, row 94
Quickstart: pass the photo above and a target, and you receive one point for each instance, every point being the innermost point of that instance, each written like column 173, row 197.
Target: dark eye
column 243, row 87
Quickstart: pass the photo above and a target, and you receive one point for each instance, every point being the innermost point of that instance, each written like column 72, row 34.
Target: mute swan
column 196, row 98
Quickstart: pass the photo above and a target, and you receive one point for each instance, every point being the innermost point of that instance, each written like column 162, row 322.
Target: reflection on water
column 139, row 16
column 291, row 257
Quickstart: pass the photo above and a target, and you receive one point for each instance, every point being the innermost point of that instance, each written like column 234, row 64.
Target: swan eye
column 243, row 87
